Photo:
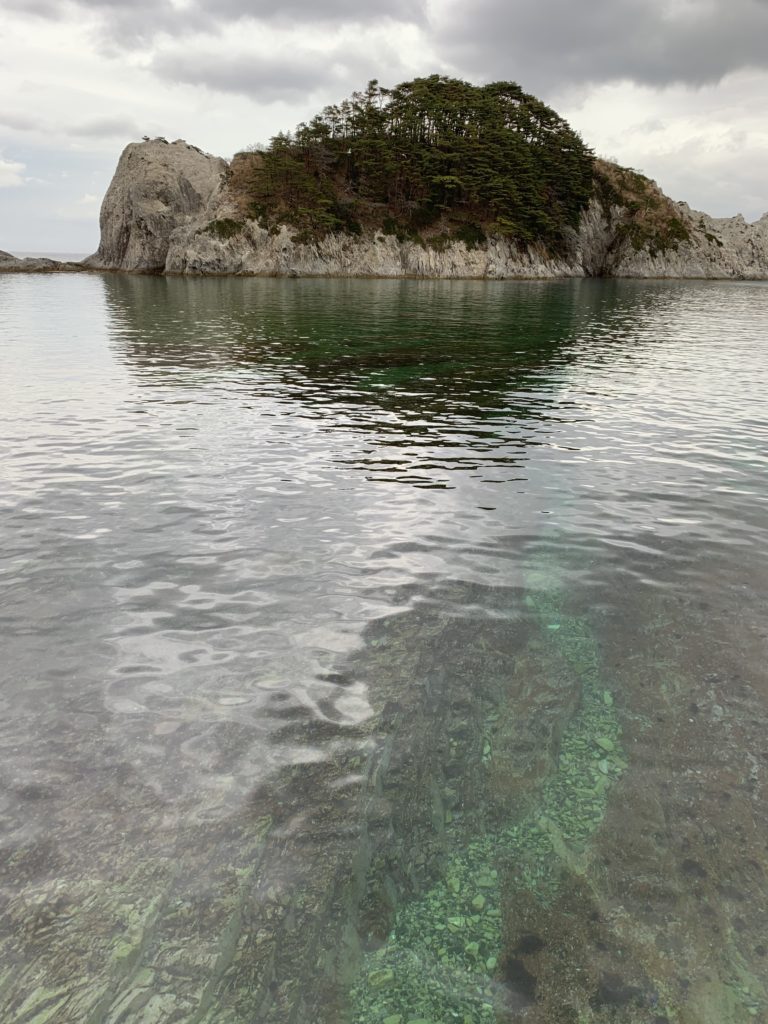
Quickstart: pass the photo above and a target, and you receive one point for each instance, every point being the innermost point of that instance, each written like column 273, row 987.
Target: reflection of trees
column 469, row 369
column 461, row 343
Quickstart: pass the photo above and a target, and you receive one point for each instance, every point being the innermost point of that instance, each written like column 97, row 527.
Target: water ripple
column 217, row 496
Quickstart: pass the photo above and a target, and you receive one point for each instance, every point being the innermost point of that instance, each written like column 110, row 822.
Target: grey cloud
column 123, row 24
column 249, row 75
column 554, row 43
column 96, row 128
column 546, row 45
column 129, row 24
column 295, row 78
column 60, row 9
column 41, row 8
column 722, row 182
column 20, row 123
column 106, row 127
column 303, row 11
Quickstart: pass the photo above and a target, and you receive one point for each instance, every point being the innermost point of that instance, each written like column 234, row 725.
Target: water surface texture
column 383, row 652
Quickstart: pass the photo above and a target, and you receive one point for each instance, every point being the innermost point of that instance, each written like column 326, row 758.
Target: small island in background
column 434, row 178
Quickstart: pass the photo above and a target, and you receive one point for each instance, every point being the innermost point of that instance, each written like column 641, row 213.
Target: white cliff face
column 157, row 187
column 719, row 248
column 724, row 247
column 255, row 251
column 158, row 214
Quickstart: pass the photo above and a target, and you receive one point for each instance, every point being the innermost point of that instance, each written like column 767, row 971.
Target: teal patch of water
column 441, row 958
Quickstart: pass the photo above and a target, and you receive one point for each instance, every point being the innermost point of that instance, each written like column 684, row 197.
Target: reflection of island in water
column 510, row 807
column 443, row 375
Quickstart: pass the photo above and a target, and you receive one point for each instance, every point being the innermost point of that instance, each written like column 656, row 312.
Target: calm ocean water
column 383, row 652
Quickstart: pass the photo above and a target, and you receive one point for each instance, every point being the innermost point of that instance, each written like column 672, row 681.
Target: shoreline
column 46, row 266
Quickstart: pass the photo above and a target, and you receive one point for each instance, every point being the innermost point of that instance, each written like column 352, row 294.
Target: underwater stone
column 378, row 979
column 569, row 810
column 478, row 902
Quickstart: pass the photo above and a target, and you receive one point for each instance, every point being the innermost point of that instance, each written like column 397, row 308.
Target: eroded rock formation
column 158, row 189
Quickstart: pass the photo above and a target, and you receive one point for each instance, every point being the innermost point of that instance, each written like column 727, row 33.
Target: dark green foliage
column 657, row 240
column 430, row 157
column 470, row 234
column 677, row 231
column 224, row 228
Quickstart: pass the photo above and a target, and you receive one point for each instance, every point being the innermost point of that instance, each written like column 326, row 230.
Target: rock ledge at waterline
column 164, row 197
column 33, row 264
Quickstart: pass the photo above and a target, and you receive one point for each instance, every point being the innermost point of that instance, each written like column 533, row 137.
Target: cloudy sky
column 676, row 88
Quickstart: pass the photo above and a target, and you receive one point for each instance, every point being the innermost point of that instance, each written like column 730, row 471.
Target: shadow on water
column 493, row 803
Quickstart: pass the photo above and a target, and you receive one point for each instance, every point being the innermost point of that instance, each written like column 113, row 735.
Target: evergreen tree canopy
column 435, row 158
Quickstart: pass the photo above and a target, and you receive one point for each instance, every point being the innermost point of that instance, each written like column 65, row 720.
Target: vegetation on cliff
column 648, row 217
column 435, row 159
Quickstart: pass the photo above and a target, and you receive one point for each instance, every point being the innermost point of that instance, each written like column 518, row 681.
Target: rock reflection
column 428, row 377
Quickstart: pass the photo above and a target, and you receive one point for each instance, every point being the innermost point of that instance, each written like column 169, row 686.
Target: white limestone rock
column 195, row 250
column 719, row 248
column 158, row 186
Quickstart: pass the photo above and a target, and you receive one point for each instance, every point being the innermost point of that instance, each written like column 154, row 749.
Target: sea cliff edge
column 165, row 199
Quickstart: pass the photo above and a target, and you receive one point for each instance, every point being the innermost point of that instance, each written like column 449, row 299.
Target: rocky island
column 435, row 178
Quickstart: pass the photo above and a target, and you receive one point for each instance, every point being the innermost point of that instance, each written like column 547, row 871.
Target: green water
column 383, row 652
column 444, row 952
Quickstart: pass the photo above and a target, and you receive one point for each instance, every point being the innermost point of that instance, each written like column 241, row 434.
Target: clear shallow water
column 379, row 650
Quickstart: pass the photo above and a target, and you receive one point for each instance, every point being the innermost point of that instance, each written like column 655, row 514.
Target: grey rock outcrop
column 720, row 247
column 10, row 264
column 253, row 250
column 170, row 209
column 158, row 187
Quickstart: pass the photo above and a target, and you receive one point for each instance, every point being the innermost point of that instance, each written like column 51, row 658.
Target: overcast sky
column 676, row 88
